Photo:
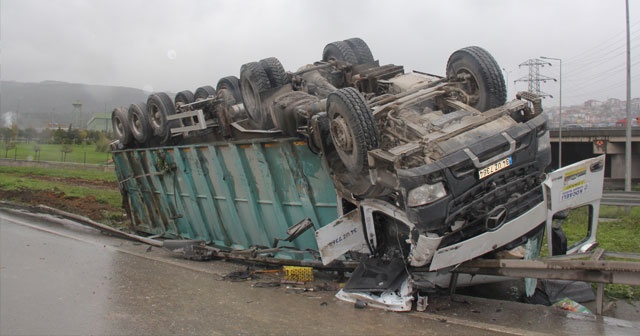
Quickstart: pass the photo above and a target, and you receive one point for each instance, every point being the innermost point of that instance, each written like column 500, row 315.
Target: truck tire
column 361, row 50
column 121, row 126
column 253, row 82
column 203, row 92
column 486, row 87
column 357, row 184
column 159, row 106
column 275, row 71
column 352, row 127
column 231, row 83
column 339, row 51
column 140, row 127
column 183, row 98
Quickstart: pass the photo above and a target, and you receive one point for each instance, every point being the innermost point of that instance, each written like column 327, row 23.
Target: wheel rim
column 250, row 101
column 471, row 87
column 120, row 127
column 156, row 116
column 341, row 136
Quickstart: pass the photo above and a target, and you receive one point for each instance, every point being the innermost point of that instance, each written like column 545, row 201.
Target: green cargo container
column 233, row 195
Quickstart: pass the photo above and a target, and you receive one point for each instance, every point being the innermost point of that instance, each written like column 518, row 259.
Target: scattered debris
column 572, row 306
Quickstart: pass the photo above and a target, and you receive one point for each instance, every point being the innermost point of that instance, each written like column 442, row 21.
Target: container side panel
column 223, row 186
column 140, row 217
column 195, row 217
column 152, row 179
column 247, row 190
column 145, row 178
column 272, row 191
column 161, row 159
column 206, row 197
column 233, row 195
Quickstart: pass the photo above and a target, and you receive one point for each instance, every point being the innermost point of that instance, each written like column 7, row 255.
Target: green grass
column 14, row 178
column 620, row 234
column 63, row 173
column 51, row 152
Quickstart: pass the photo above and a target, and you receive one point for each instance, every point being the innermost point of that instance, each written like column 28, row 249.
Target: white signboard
column 574, row 186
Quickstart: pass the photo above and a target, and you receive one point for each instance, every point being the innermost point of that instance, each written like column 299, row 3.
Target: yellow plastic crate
column 298, row 273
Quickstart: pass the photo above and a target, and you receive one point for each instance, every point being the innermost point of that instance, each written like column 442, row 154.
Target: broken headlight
column 425, row 194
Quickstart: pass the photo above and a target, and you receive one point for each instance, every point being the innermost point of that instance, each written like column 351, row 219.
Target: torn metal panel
column 340, row 236
column 400, row 300
column 491, row 240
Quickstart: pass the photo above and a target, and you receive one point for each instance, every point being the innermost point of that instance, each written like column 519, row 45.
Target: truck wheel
column 121, row 126
column 231, row 83
column 204, row 92
column 140, row 127
column 183, row 98
column 201, row 93
column 339, row 51
column 253, row 82
column 352, row 127
column 275, row 71
column 485, row 86
column 361, row 50
column 159, row 106
column 320, row 142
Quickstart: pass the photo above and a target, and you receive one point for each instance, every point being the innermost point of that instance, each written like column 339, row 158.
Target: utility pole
column 559, row 112
column 627, row 153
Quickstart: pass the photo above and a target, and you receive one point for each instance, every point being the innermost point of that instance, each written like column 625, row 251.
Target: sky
column 171, row 45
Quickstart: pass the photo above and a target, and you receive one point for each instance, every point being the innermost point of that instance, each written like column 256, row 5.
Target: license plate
column 496, row 167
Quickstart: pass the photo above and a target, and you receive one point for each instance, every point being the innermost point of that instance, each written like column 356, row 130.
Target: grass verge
column 618, row 233
column 90, row 193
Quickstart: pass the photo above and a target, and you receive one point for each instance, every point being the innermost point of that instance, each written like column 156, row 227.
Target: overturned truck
column 344, row 161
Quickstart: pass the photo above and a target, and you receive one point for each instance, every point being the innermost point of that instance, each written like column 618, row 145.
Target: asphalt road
column 59, row 278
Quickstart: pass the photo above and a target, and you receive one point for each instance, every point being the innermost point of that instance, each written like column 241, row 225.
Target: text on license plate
column 496, row 167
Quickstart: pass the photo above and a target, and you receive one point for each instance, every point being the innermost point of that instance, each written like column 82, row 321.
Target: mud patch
column 86, row 206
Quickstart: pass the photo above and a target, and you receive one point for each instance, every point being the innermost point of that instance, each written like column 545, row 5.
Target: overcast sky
column 165, row 45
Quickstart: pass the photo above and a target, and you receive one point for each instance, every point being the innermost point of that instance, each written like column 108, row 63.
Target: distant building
column 592, row 103
column 100, row 122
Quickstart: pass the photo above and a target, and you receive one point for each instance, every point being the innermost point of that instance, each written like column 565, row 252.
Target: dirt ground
column 86, row 206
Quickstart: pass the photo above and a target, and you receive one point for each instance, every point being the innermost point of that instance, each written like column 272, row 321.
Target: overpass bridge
column 581, row 143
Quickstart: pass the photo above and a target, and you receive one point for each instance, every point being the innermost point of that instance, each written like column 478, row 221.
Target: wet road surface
column 59, row 278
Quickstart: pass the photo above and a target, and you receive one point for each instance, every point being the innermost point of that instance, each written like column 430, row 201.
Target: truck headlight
column 426, row 194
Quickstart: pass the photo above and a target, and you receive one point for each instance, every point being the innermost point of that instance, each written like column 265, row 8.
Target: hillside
column 37, row 104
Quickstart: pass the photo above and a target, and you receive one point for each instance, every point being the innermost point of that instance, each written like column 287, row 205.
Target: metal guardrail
column 589, row 267
column 621, row 198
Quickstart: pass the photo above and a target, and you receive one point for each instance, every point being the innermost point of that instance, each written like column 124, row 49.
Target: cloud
column 174, row 45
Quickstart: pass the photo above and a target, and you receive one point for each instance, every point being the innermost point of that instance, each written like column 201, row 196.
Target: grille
column 517, row 189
